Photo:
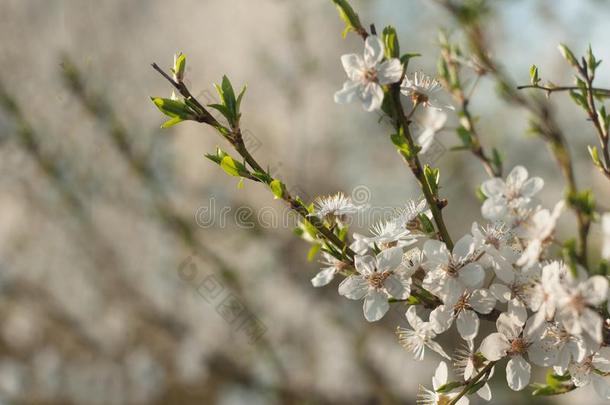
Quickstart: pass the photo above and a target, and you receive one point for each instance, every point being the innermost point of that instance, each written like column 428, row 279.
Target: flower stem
column 414, row 163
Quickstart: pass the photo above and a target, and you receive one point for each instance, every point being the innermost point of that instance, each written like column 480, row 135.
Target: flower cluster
column 546, row 312
column 550, row 305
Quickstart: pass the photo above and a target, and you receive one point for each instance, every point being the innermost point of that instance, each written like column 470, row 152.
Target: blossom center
column 518, row 346
column 578, row 303
column 461, row 304
column 377, row 279
column 419, row 98
column 370, row 75
column 493, row 240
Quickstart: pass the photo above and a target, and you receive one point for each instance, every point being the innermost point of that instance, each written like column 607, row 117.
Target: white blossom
column 560, row 347
column 467, row 364
column 423, row 89
column 367, row 74
column 606, row 236
column 451, row 271
column 576, row 302
column 538, row 232
column 583, row 373
column 332, row 266
column 431, row 397
column 544, row 292
column 335, row 208
column 389, row 234
column 378, row 278
column 495, row 241
column 505, row 196
column 518, row 293
column 515, row 341
column 463, row 308
column 428, row 124
column 421, row 335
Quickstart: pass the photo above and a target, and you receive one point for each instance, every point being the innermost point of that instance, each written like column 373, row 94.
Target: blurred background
column 134, row 271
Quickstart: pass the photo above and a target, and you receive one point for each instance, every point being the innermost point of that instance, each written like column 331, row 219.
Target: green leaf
column 534, row 79
column 473, row 390
column 432, row 176
column 568, row 251
column 497, row 159
column 404, row 59
column 450, row 386
column 568, row 55
column 173, row 108
column 263, row 177
column 578, row 98
column 349, row 16
column 277, row 188
column 171, row 122
column 479, row 194
column 594, row 155
column 229, row 95
column 583, row 201
column 231, row 167
column 240, row 97
column 179, row 66
column 240, row 185
column 390, row 40
column 313, row 251
column 427, row 225
column 465, row 135
column 545, row 390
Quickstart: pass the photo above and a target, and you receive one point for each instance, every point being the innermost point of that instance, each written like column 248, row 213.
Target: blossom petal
column 592, row 323
column 501, row 292
column 365, row 265
column 324, row 277
column 389, row 71
column 543, row 353
column 517, row 176
column 482, row 301
column 493, row 187
column 414, row 320
column 348, row 93
column 532, row 186
column 468, row 324
column 601, row 386
column 373, row 51
column 485, row 392
column 353, row 287
column 441, row 318
column 508, row 325
column 389, row 259
column 597, row 290
column 601, row 360
column 471, row 275
column 440, row 375
column 517, row 309
column 436, row 254
column 437, row 348
column 463, row 248
column 397, row 287
column 372, row 97
column 353, row 65
column 375, row 306
column 518, row 372
column 494, row 346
